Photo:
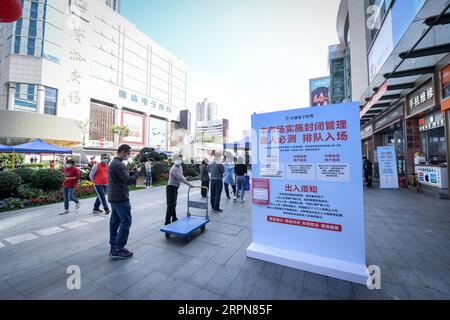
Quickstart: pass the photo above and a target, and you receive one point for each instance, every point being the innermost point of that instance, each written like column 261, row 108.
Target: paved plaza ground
column 408, row 236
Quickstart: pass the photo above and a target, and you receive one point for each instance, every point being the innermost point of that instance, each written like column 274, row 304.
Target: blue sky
column 245, row 55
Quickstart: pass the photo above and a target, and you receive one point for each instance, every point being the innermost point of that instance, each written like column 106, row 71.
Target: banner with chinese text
column 313, row 219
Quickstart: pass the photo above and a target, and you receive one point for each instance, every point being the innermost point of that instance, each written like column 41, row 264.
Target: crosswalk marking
column 94, row 219
column 50, row 231
column 21, row 238
column 75, row 224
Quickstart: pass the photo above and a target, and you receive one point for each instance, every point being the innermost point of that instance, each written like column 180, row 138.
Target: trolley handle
column 207, row 200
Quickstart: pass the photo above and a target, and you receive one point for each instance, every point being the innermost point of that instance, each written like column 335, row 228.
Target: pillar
column 11, row 96
column 40, row 99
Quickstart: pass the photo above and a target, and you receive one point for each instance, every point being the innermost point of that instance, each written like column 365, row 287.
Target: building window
column 51, row 101
column 102, row 118
column 26, row 97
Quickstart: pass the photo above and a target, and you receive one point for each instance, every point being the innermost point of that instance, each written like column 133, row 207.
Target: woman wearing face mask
column 71, row 174
column 99, row 176
column 176, row 177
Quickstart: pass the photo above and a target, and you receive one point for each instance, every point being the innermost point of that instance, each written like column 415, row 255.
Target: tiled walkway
column 408, row 236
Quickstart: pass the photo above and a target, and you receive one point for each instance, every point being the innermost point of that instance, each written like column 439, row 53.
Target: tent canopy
column 39, row 146
column 5, row 148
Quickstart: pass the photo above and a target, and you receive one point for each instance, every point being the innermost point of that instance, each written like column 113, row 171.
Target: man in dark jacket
column 118, row 196
column 368, row 172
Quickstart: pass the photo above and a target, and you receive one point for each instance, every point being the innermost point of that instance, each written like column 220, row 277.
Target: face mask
column 105, row 161
column 68, row 165
column 178, row 162
column 126, row 158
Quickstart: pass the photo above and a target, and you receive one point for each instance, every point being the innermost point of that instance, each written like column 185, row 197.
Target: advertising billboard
column 308, row 208
column 445, row 105
column 158, row 133
column 387, row 162
column 136, row 123
column 319, row 90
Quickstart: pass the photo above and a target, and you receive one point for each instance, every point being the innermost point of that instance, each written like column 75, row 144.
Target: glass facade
column 26, row 97
column 35, row 34
column 51, row 101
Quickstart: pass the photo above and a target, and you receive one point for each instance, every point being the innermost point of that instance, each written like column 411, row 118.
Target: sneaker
column 242, row 201
column 64, row 212
column 77, row 206
column 121, row 254
column 220, row 210
column 147, row 187
column 97, row 211
column 228, row 198
column 234, row 198
column 107, row 212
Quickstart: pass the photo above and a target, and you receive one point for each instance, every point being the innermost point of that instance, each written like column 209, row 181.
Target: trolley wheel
column 203, row 229
column 167, row 235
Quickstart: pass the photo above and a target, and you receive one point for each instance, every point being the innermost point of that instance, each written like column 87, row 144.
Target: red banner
column 306, row 224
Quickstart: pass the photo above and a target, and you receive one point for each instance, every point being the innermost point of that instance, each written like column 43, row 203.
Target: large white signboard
column 307, row 191
column 136, row 123
column 387, row 163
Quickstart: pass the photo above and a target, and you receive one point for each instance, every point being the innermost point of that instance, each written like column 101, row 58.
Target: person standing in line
column 119, row 197
column 241, row 171
column 229, row 177
column 176, row 177
column 216, row 169
column 52, row 164
column 71, row 177
column 99, row 176
column 148, row 174
column 368, row 172
column 204, row 177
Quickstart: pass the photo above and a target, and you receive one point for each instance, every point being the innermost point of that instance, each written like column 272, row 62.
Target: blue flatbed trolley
column 187, row 226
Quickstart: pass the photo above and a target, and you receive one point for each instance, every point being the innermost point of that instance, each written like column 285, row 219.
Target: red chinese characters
column 300, row 189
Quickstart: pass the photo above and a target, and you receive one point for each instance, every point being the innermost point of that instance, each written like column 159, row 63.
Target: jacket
column 119, row 181
column 176, row 176
column 204, row 175
column 69, row 173
column 99, row 174
column 216, row 169
column 229, row 173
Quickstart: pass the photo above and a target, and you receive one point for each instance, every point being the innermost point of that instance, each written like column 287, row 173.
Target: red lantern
column 10, row 10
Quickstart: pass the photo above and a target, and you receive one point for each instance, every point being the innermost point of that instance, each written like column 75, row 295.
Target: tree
column 84, row 127
column 121, row 131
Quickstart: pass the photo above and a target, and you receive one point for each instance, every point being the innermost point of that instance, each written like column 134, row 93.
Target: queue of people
column 113, row 178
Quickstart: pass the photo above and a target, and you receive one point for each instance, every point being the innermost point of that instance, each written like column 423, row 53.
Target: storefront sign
column 431, row 121
column 433, row 176
column 308, row 195
column 395, row 114
column 421, row 99
column 136, row 123
column 445, row 105
column 101, row 144
column 366, row 132
column 146, row 102
column 387, row 161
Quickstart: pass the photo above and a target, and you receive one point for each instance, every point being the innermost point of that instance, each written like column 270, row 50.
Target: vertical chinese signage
column 308, row 194
column 387, row 162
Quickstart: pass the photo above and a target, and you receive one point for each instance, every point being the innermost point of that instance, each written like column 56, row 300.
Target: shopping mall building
column 72, row 69
column 400, row 67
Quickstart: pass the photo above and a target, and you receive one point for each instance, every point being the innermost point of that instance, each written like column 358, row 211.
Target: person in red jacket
column 71, row 174
column 99, row 176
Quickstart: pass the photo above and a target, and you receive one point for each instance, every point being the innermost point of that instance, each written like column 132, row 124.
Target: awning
column 415, row 66
column 39, row 146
